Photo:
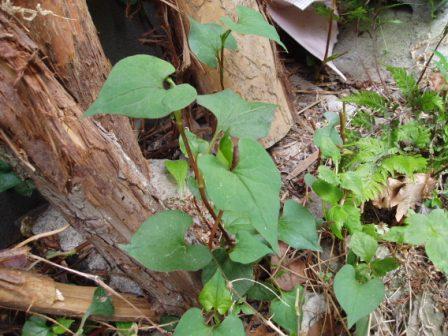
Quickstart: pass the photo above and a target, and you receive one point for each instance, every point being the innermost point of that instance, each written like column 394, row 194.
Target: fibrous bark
column 83, row 169
column 253, row 71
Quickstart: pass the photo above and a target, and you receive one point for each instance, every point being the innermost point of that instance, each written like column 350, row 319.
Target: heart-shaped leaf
column 215, row 294
column 249, row 248
column 160, row 246
column 432, row 231
column 357, row 299
column 252, row 188
column 252, row 22
column 192, row 323
column 205, row 41
column 135, row 88
column 297, row 227
column 241, row 118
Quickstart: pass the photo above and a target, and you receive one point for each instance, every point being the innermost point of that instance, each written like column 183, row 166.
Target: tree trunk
column 253, row 71
column 95, row 177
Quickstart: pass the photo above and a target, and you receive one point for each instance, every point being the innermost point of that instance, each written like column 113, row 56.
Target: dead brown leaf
column 290, row 272
column 405, row 194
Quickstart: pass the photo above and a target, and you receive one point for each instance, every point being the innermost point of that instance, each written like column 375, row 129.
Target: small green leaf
column 197, row 145
column 241, row 118
column 127, row 328
column 297, row 227
column 160, row 246
column 383, row 266
column 192, row 323
column 225, row 150
column 232, row 270
column 215, row 295
column 327, row 138
column 358, row 300
column 369, row 99
column 346, row 215
column 252, row 188
column 179, row 171
column 249, row 248
column 261, row 293
column 58, row 330
column 363, row 245
column 8, row 181
column 135, row 88
column 285, row 313
column 25, row 188
column 36, row 326
column 328, row 175
column 252, row 22
column 205, row 41
column 326, row 191
column 101, row 303
column 431, row 231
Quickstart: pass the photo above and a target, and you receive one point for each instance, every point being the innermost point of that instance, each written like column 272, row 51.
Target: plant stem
column 221, row 57
column 213, row 141
column 214, row 229
column 445, row 32
column 198, row 175
column 342, row 122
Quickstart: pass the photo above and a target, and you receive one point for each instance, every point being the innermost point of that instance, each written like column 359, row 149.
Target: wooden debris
column 29, row 291
column 303, row 165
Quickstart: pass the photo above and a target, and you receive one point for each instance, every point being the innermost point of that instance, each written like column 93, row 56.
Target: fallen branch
column 31, row 292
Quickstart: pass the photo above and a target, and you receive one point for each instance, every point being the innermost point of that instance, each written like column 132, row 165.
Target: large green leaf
column 285, row 313
column 297, row 227
column 241, row 118
column 192, row 323
column 252, row 188
column 160, row 246
column 215, row 295
column 232, row 270
column 432, row 232
column 249, row 248
column 357, row 299
column 135, row 88
column 252, row 22
column 205, row 41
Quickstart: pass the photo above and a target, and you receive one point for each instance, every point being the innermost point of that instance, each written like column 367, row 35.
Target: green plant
column 9, row 180
column 232, row 174
column 38, row 326
column 357, row 171
column 208, row 41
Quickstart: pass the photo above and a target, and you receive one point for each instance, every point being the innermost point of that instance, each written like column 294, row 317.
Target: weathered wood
column 253, row 71
column 29, row 291
column 70, row 44
column 80, row 167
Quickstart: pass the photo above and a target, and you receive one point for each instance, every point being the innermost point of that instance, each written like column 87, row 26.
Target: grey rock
column 407, row 44
column 51, row 219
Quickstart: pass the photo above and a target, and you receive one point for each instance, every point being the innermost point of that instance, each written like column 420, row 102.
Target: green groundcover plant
column 238, row 183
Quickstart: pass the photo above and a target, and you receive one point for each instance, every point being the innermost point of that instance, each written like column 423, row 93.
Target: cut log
column 253, row 71
column 28, row 291
column 80, row 167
